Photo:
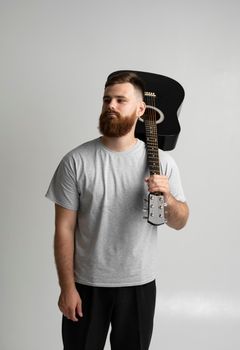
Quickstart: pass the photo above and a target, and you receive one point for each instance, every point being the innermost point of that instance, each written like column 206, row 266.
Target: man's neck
column 119, row 144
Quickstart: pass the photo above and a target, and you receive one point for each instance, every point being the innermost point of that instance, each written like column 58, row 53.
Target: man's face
column 122, row 105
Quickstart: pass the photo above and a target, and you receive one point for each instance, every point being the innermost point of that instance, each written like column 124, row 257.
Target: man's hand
column 158, row 183
column 70, row 304
column 177, row 212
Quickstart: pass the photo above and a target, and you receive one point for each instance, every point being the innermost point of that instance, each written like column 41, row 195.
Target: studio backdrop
column 55, row 58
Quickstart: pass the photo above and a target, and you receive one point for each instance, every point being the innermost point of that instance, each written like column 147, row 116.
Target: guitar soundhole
column 152, row 109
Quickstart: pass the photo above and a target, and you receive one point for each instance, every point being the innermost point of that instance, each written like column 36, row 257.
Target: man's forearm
column 64, row 251
column 176, row 213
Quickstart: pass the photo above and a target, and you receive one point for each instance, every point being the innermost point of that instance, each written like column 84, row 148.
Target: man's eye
column 121, row 100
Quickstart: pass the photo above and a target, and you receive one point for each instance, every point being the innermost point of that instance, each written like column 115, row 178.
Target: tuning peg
column 145, row 213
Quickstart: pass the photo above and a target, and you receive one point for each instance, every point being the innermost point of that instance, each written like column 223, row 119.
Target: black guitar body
column 169, row 97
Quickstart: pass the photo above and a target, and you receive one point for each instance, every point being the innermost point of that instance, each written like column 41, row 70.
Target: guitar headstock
column 156, row 209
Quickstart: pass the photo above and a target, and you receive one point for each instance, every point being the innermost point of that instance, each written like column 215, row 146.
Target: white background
column 55, row 57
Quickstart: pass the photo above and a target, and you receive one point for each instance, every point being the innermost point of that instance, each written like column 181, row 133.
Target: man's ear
column 141, row 108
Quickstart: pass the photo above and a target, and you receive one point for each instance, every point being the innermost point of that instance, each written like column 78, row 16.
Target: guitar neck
column 152, row 146
column 155, row 199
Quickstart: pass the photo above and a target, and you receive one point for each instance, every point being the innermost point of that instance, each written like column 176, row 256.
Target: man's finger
column 72, row 316
column 79, row 309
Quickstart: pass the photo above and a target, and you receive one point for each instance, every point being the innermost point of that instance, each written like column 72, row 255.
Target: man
column 105, row 250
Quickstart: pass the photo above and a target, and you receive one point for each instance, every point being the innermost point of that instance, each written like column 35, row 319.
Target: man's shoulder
column 165, row 156
column 167, row 163
column 82, row 149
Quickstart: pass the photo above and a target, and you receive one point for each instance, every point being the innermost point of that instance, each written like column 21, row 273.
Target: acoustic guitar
column 158, row 128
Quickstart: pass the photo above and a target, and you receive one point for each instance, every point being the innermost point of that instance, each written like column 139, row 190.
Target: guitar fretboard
column 151, row 135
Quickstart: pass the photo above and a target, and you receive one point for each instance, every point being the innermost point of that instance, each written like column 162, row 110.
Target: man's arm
column 69, row 300
column 177, row 212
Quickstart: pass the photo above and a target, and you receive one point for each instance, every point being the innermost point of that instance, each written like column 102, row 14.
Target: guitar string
column 148, row 117
column 156, row 136
column 152, row 132
column 153, row 119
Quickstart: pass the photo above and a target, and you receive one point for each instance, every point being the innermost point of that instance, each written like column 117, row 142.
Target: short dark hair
column 126, row 77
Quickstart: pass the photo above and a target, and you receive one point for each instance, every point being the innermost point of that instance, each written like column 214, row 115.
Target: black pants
column 129, row 310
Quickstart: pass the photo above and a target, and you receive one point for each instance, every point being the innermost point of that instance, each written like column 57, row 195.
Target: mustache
column 109, row 113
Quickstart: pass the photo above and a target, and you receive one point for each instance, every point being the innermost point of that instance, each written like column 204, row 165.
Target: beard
column 116, row 126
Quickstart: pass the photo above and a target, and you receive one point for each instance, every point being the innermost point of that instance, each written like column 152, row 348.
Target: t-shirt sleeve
column 169, row 168
column 175, row 182
column 63, row 189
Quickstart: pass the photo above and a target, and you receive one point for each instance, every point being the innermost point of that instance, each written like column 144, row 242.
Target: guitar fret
column 152, row 143
column 153, row 164
column 153, row 159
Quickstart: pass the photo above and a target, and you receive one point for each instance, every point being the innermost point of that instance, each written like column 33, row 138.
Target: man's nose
column 112, row 105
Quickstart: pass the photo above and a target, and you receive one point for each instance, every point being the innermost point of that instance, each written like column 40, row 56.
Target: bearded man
column 105, row 251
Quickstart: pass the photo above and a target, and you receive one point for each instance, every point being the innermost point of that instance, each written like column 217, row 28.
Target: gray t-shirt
column 114, row 245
